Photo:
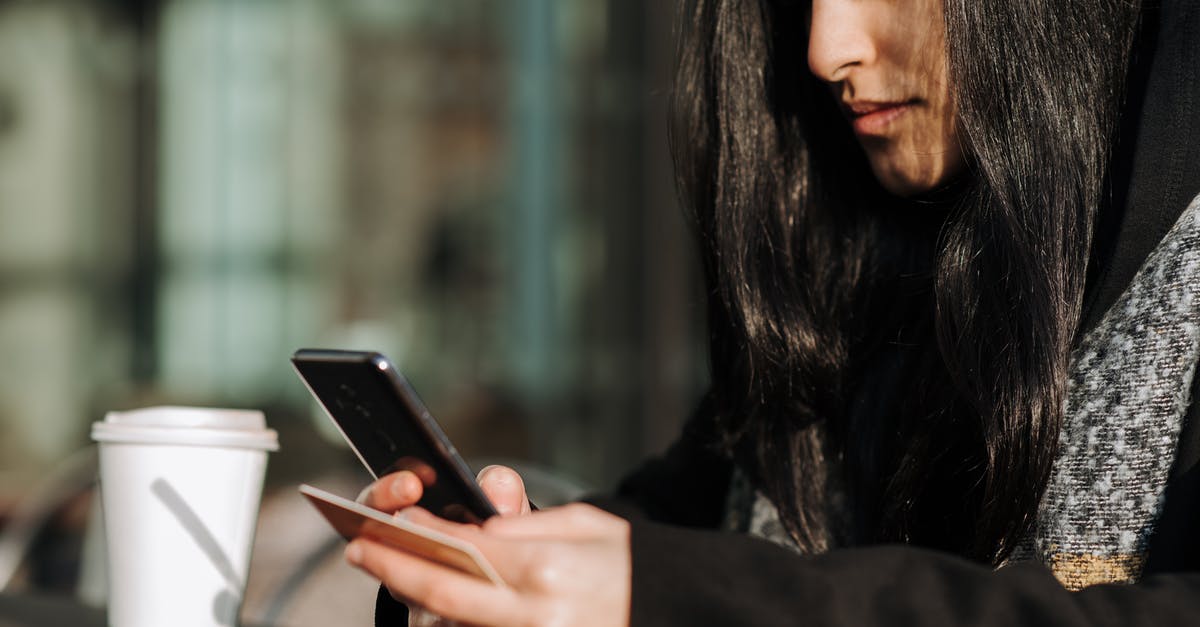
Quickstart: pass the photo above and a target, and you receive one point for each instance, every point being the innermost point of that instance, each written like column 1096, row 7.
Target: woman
column 954, row 285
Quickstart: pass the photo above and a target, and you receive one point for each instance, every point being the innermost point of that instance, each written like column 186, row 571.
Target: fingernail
column 498, row 475
column 354, row 553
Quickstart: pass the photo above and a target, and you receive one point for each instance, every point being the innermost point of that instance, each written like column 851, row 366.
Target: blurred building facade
column 192, row 189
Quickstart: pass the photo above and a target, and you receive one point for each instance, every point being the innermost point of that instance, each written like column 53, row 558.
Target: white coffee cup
column 180, row 488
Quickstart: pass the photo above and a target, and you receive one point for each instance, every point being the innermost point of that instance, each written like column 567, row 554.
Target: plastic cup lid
column 194, row 426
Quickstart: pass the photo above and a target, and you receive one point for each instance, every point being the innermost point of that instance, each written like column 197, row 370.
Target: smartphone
column 390, row 429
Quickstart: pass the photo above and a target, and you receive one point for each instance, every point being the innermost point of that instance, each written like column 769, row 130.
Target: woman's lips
column 873, row 118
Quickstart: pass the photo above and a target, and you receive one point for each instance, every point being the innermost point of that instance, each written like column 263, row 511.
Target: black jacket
column 687, row 573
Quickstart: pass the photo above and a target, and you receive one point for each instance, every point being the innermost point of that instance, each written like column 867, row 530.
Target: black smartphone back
column 390, row 429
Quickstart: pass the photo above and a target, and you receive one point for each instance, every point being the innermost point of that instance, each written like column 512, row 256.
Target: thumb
column 505, row 489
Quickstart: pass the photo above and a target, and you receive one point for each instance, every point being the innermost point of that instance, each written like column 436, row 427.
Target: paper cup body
column 180, row 506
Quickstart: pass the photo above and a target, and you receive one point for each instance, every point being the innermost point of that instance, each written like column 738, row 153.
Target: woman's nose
column 839, row 39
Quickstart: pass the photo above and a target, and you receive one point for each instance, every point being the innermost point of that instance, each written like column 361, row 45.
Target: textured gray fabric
column 1127, row 395
column 748, row 511
column 1129, row 389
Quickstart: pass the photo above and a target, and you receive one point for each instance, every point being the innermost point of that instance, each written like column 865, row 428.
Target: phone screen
column 389, row 428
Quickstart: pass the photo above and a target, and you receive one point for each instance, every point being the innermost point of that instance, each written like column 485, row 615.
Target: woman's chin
column 908, row 179
column 904, row 186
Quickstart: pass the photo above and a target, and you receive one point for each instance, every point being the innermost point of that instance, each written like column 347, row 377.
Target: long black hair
column 890, row 369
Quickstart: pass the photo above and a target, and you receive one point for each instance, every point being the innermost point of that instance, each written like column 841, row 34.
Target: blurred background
column 190, row 190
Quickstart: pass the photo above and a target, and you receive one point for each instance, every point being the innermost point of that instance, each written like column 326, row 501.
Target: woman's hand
column 501, row 484
column 563, row 566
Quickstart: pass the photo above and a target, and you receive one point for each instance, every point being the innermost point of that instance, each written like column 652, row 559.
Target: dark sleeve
column 685, row 486
column 694, row 577
column 388, row 611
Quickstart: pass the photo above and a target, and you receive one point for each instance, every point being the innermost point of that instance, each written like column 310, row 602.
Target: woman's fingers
column 567, row 522
column 512, row 560
column 505, row 489
column 573, row 521
column 398, row 490
column 569, row 566
column 439, row 589
column 393, row 492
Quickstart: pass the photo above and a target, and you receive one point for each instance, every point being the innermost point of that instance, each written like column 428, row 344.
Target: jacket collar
column 1157, row 169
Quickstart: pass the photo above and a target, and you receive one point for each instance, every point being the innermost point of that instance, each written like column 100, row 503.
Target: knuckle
column 543, row 570
column 578, row 513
